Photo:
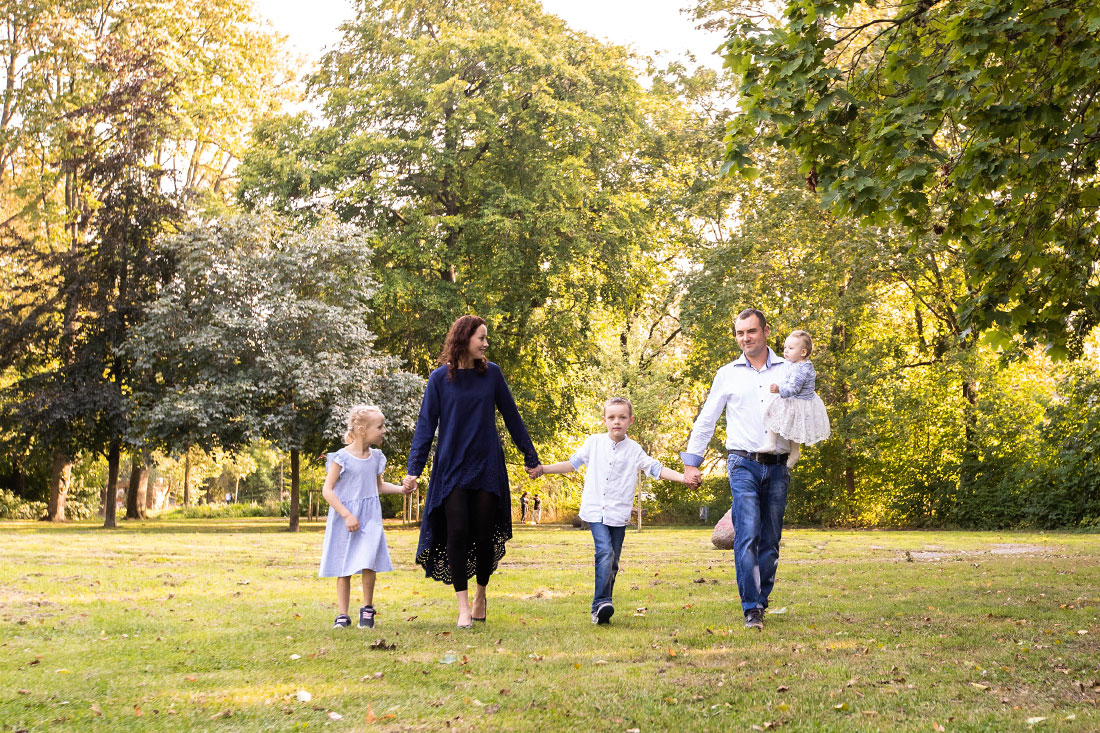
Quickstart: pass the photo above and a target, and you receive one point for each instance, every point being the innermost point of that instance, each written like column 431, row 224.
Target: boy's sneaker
column 603, row 613
column 754, row 619
column 342, row 622
column 366, row 617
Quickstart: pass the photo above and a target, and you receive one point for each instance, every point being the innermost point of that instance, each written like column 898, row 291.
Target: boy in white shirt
column 613, row 462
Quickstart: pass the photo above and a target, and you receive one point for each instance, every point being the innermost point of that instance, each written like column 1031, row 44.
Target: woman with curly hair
column 468, row 511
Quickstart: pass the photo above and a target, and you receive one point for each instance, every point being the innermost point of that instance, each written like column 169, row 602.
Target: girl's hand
column 409, row 483
column 774, row 388
column 536, row 471
column 353, row 522
column 406, row 490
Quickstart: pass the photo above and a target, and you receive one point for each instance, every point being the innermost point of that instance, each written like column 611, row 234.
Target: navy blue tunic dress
column 469, row 455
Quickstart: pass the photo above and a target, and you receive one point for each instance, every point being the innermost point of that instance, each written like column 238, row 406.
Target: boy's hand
column 774, row 388
column 352, row 522
column 693, row 476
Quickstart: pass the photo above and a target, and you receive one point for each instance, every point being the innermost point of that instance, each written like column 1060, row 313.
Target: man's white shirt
column 611, row 477
column 744, row 394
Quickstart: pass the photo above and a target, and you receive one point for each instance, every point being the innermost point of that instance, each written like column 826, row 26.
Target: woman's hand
column 352, row 521
column 409, row 483
column 535, row 471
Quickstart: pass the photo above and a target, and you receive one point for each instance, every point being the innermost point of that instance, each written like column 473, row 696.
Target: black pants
column 471, row 515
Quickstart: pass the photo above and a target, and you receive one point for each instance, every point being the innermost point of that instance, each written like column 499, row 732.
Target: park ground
column 223, row 625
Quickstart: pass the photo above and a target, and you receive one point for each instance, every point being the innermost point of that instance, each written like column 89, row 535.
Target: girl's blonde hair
column 807, row 341
column 357, row 418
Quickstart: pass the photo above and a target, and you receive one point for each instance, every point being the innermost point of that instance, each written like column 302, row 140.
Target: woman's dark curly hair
column 458, row 343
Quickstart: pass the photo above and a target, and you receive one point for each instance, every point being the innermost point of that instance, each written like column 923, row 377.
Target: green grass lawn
column 218, row 624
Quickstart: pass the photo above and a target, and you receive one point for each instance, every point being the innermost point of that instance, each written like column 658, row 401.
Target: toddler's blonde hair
column 807, row 341
column 357, row 418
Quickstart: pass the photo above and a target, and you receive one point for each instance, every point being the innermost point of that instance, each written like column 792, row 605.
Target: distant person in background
column 523, row 507
column 538, row 509
column 228, row 498
column 354, row 539
column 468, row 510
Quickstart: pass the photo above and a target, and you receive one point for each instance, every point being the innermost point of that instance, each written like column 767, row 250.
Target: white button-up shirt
column 744, row 394
column 611, row 477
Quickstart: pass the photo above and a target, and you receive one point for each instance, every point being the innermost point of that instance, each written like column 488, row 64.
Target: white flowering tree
column 264, row 333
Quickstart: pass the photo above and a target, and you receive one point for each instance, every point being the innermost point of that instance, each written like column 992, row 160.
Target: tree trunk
column 187, row 478
column 60, row 476
column 135, row 494
column 294, row 490
column 109, row 501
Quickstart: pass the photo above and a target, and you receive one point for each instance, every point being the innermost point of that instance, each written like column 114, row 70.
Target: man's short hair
column 619, row 401
column 750, row 312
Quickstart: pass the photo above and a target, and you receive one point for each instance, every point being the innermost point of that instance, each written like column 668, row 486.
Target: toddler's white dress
column 798, row 414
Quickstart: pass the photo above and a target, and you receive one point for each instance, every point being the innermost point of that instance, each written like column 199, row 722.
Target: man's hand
column 693, row 476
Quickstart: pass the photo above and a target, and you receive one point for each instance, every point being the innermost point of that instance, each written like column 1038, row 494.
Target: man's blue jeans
column 759, row 500
column 609, row 545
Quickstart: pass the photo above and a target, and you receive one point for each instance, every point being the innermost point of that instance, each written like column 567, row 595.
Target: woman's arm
column 426, row 423
column 506, row 404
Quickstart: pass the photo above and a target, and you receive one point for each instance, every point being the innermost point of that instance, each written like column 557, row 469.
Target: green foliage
column 506, row 166
column 972, row 119
column 263, row 333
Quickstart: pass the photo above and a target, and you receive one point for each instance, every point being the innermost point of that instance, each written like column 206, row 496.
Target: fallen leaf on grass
column 375, row 676
column 295, row 656
column 640, row 611
column 381, row 645
column 937, row 727
column 782, row 688
column 841, row 706
column 304, row 696
column 23, row 691
column 95, row 710
column 411, row 618
column 490, row 709
column 600, row 661
column 137, row 711
column 979, row 686
column 778, row 611
column 1035, row 721
column 222, row 714
column 699, row 580
column 448, row 659
column 370, row 714
column 335, row 716
column 671, row 652
column 535, row 656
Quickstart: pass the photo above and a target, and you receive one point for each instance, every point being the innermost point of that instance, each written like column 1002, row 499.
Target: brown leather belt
column 768, row 459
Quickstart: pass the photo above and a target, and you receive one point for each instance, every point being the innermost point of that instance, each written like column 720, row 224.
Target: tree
column 100, row 100
column 263, row 333
column 506, row 166
column 971, row 120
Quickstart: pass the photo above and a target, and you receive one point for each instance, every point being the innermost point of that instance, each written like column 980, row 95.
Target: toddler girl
column 798, row 414
column 354, row 540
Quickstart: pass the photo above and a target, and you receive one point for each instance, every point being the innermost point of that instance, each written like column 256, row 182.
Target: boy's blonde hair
column 807, row 341
column 357, row 418
column 619, row 401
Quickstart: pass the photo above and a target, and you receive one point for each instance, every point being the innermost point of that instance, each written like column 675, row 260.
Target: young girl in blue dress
column 354, row 539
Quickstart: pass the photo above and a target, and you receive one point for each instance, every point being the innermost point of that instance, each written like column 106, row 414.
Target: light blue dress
column 347, row 553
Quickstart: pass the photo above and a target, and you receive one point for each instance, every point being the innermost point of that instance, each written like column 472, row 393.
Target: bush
column 229, row 511
column 13, row 507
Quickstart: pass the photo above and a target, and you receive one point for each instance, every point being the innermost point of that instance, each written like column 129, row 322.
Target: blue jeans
column 759, row 500
column 609, row 545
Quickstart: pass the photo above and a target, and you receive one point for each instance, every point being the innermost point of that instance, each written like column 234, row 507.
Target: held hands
column 352, row 521
column 774, row 388
column 536, row 471
column 693, row 476
column 408, row 484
